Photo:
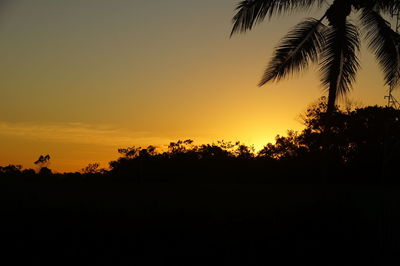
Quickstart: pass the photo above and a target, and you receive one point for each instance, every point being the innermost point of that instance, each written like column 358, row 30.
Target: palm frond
column 296, row 50
column 251, row 12
column 384, row 43
column 339, row 62
column 387, row 6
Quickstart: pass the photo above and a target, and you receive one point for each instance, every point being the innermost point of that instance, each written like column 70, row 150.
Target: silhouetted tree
column 244, row 152
column 11, row 169
column 285, row 147
column 181, row 146
column 333, row 45
column 92, row 168
column 45, row 171
column 364, row 139
column 130, row 152
column 43, row 162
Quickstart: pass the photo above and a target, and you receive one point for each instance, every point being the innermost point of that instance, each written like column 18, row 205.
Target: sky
column 81, row 78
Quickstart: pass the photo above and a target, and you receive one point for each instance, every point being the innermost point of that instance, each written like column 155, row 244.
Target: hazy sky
column 81, row 78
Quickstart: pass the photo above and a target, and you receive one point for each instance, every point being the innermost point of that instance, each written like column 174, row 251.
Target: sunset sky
column 81, row 78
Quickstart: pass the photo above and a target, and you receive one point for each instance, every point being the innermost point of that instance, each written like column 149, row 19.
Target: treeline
column 363, row 145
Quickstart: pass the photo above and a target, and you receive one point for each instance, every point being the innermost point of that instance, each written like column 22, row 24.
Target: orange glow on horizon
column 79, row 81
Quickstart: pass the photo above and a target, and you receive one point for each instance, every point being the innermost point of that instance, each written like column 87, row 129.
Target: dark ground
column 165, row 224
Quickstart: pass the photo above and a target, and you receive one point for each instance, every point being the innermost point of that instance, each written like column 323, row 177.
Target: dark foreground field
column 161, row 224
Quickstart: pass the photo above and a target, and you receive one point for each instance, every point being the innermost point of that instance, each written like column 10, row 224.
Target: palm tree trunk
column 331, row 100
column 336, row 76
column 327, row 133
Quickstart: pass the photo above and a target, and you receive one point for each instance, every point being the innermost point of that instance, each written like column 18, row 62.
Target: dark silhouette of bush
column 92, row 169
column 11, row 169
column 364, row 148
column 44, row 171
column 185, row 200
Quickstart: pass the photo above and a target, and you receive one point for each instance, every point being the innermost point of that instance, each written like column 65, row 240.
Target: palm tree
column 331, row 41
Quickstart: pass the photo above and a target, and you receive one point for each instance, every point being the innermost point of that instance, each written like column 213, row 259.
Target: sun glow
column 124, row 84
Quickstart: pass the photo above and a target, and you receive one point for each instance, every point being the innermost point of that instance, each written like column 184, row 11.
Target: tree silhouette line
column 111, row 224
column 364, row 147
column 332, row 42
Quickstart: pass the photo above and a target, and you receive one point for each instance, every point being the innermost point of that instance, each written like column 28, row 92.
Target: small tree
column 43, row 162
column 92, row 168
